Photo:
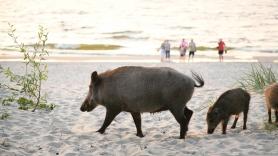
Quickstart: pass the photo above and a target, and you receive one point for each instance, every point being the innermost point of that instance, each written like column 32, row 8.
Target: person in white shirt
column 162, row 52
column 167, row 46
column 192, row 49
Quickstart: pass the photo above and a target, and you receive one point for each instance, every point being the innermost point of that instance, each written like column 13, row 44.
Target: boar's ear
column 94, row 76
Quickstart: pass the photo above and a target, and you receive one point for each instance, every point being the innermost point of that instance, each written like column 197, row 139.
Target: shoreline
column 199, row 57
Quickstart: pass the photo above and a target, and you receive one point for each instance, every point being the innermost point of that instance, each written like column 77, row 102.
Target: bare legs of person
column 221, row 58
column 191, row 55
column 182, row 58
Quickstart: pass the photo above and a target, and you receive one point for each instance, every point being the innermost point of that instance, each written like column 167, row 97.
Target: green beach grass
column 258, row 78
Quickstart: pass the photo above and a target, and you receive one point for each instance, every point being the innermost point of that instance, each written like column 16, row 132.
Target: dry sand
column 68, row 131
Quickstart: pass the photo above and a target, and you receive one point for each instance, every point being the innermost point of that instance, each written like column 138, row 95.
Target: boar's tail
column 198, row 78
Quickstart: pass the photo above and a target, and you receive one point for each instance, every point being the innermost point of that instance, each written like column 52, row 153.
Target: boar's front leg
column 137, row 120
column 110, row 115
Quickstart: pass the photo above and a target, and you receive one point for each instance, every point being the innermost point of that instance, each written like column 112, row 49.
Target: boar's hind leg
column 178, row 113
column 110, row 115
column 188, row 114
column 235, row 121
column 137, row 120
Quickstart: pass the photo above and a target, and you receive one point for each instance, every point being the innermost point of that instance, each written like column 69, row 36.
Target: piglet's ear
column 94, row 76
column 210, row 109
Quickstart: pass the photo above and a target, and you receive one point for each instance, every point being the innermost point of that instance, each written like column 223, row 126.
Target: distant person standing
column 183, row 48
column 167, row 49
column 221, row 49
column 192, row 49
column 162, row 51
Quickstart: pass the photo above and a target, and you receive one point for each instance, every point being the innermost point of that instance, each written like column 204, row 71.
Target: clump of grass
column 258, row 78
column 209, row 103
column 270, row 126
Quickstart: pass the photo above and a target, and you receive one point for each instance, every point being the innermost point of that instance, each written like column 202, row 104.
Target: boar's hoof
column 182, row 137
column 233, row 127
column 100, row 131
column 140, row 135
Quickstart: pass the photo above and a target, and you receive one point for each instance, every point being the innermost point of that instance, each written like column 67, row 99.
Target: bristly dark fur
column 137, row 90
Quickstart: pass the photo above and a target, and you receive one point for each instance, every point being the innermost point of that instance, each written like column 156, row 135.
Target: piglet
column 271, row 100
column 231, row 102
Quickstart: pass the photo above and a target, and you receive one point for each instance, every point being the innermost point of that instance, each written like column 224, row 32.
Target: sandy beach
column 68, row 131
column 85, row 36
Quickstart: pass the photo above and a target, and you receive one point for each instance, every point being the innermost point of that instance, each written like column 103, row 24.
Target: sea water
column 138, row 27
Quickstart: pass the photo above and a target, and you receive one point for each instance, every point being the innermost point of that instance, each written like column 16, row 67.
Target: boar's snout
column 87, row 106
column 210, row 131
column 82, row 108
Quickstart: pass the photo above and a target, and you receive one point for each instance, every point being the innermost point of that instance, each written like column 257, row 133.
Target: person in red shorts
column 221, row 49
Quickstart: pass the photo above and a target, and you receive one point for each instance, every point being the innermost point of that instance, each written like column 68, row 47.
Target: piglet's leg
column 224, row 125
column 245, row 114
column 110, row 115
column 137, row 120
column 235, row 121
column 269, row 115
column 276, row 116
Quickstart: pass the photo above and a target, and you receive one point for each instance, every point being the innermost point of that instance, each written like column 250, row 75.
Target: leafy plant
column 258, row 78
column 4, row 115
column 27, row 88
column 7, row 101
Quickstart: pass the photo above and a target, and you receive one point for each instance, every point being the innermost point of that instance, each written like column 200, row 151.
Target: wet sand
column 199, row 57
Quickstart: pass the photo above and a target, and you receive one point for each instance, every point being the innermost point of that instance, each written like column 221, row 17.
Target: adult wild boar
column 271, row 100
column 231, row 102
column 141, row 89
